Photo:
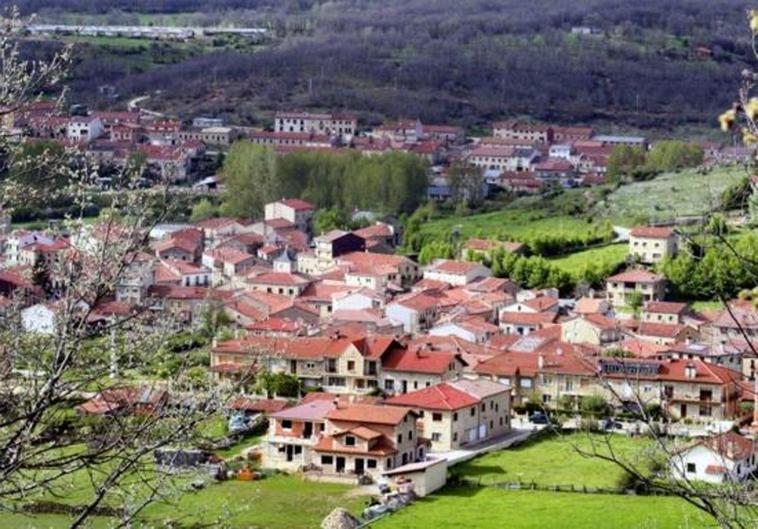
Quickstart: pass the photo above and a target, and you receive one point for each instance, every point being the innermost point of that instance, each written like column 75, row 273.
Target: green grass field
column 491, row 508
column 518, row 224
column 605, row 257
column 670, row 195
column 277, row 502
column 556, row 461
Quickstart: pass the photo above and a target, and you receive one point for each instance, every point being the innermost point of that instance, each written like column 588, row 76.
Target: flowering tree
column 49, row 444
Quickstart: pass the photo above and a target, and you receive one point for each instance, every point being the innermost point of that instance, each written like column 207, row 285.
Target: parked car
column 611, row 424
column 539, row 417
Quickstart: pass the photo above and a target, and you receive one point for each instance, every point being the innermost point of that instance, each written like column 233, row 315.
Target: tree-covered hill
column 648, row 63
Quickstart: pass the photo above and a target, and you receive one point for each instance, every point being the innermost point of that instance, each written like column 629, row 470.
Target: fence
column 531, row 485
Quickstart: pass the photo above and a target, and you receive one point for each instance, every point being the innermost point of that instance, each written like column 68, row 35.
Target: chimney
column 540, row 362
column 690, row 371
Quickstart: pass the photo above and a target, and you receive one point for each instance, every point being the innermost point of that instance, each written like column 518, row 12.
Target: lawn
column 670, row 195
column 603, row 258
column 516, row 224
column 555, row 461
column 277, row 502
column 492, row 508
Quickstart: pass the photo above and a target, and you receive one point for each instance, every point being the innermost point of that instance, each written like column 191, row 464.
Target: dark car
column 539, row 417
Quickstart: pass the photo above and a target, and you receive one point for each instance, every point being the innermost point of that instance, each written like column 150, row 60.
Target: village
column 404, row 370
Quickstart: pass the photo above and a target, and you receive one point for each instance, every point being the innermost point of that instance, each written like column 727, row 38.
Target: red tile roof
column 665, row 307
column 637, row 276
column 438, row 397
column 297, row 204
column 370, row 414
column 383, row 447
column 652, row 232
column 420, row 361
column 730, row 445
column 662, row 330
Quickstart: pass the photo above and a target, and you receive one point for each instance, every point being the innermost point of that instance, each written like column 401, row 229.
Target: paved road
column 504, row 441
column 133, row 105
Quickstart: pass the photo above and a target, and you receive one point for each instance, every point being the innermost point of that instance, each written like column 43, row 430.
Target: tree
column 467, row 183
column 634, row 301
column 250, row 176
column 329, row 219
column 595, row 406
column 670, row 155
column 624, row 160
column 44, row 443
column 203, row 210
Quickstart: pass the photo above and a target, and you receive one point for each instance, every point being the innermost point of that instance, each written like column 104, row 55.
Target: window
column 455, row 436
column 371, row 463
column 286, row 424
column 349, row 440
column 473, row 411
column 436, row 436
column 436, row 417
column 455, row 416
column 351, row 365
column 399, row 438
column 410, row 435
column 484, row 407
column 691, row 469
column 389, row 385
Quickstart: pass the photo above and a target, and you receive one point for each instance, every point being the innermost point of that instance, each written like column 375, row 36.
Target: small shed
column 427, row 476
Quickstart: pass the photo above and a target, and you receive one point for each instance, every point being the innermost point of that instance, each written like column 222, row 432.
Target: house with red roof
column 369, row 439
column 473, row 329
column 459, row 412
column 651, row 286
column 665, row 333
column 298, row 212
column 724, row 458
column 285, row 284
column 594, row 329
column 456, row 273
column 533, row 132
column 416, row 311
column 377, row 270
column 183, row 245
column 293, row 432
column 652, row 244
column 664, row 312
column 410, row 368
column 379, row 235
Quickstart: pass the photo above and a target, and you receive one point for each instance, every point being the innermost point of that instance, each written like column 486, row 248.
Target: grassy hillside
column 671, row 195
column 603, row 258
column 582, row 212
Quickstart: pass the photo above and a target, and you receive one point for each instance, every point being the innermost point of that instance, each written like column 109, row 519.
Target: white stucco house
column 722, row 458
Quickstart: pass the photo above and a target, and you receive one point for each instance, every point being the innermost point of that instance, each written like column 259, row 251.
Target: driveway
column 510, row 438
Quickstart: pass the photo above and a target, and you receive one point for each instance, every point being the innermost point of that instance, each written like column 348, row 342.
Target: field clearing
column 556, row 461
column 603, row 258
column 670, row 195
column 491, row 508
column 517, row 224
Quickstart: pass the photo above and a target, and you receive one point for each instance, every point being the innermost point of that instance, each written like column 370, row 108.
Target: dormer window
column 349, row 440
